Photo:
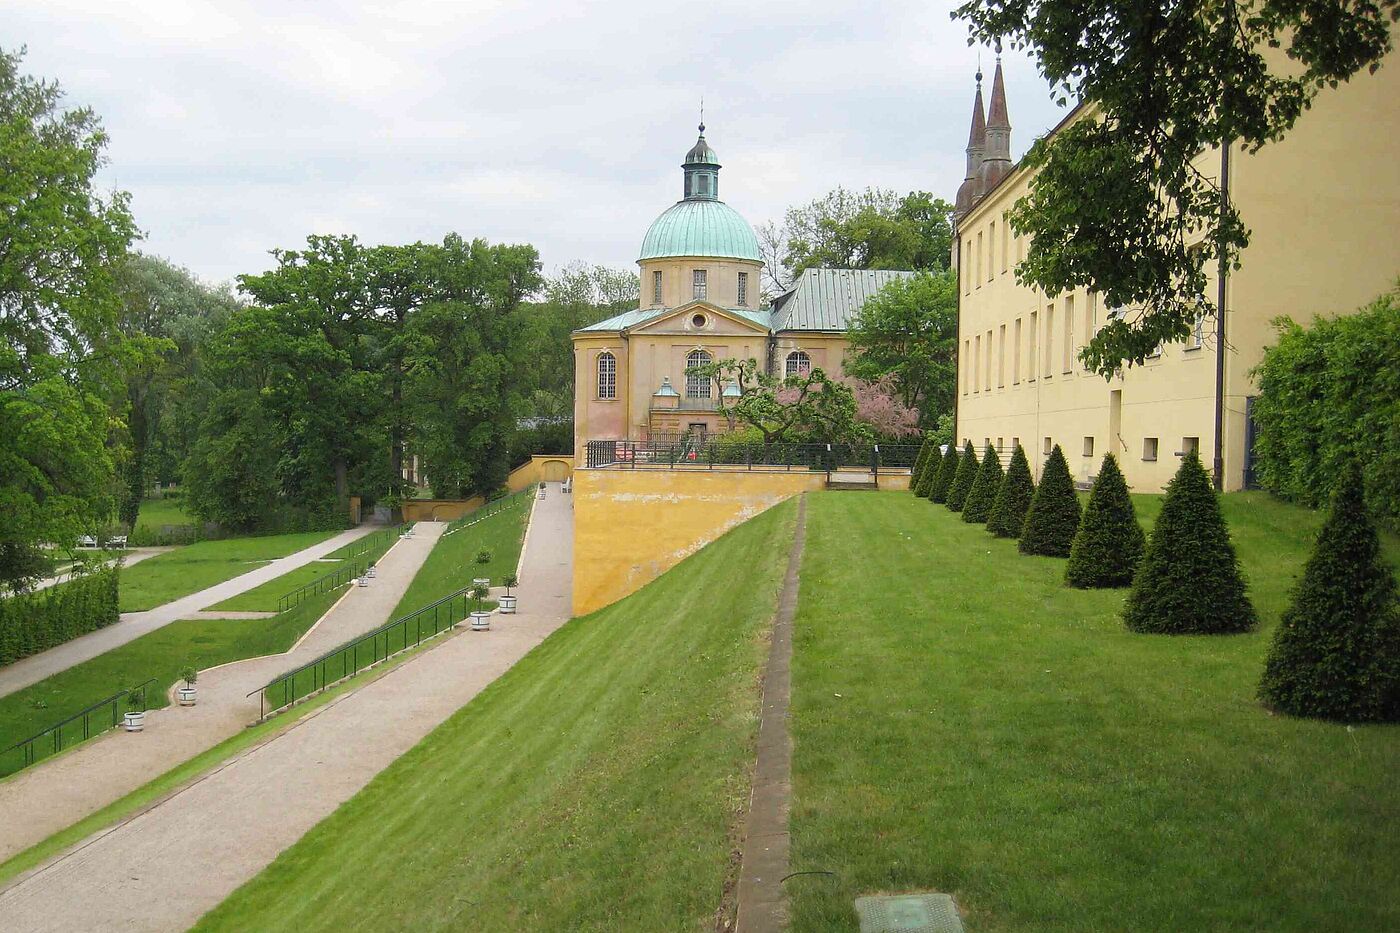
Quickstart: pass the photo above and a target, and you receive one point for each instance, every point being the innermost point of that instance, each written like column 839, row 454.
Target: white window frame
column 606, row 371
column 743, row 289
column 797, row 363
column 656, row 287
column 697, row 386
column 699, row 283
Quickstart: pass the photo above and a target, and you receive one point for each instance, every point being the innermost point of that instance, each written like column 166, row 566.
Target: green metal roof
column 629, row 319
column 829, row 299
column 700, row 228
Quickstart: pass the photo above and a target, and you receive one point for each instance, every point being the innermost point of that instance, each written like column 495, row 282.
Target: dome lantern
column 701, row 167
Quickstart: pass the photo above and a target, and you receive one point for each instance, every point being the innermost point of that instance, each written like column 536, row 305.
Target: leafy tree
column 1336, row 651
column 878, row 406
column 872, row 229
column 963, row 479
column 1110, row 541
column 1013, row 499
column 60, row 243
column 1053, row 517
column 908, row 332
column 1329, row 394
column 978, row 504
column 1189, row 580
column 943, row 479
column 1121, row 204
column 806, row 405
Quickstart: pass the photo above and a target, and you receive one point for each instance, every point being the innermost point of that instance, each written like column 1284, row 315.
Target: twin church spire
column 988, row 144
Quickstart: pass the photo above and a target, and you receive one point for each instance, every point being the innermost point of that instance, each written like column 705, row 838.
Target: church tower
column 970, row 190
column 996, row 154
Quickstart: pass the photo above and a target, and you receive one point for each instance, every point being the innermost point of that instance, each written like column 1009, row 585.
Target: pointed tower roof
column 996, row 155
column 997, row 117
column 968, row 191
column 977, row 137
column 701, row 153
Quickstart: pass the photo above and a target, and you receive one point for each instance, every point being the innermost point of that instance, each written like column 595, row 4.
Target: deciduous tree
column 907, row 332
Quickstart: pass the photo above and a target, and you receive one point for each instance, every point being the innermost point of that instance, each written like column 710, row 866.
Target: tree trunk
column 136, row 470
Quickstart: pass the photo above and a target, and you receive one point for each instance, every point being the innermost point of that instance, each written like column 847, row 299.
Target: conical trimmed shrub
column 918, row 468
column 1053, row 517
column 1008, row 513
column 983, row 493
column 1336, row 652
column 963, row 478
column 1110, row 541
column 924, row 481
column 1189, row 581
column 943, row 479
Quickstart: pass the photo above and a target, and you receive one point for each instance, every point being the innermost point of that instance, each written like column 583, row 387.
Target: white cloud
column 243, row 126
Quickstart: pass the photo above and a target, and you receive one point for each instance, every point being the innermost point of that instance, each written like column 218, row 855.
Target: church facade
column 701, row 302
column 1323, row 206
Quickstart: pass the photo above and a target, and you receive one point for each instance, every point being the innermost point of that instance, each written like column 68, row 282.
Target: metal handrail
column 57, row 728
column 300, row 594
column 690, row 452
column 441, row 610
column 504, row 504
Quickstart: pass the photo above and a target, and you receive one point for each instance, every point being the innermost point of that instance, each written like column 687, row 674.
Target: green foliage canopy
column 978, row 504
column 908, row 331
column 1013, row 499
column 963, row 478
column 1110, row 542
column 1053, row 516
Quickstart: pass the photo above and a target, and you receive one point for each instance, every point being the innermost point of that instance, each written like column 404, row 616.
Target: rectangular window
column 967, row 366
column 699, row 285
column 977, row 262
column 967, row 261
column 988, row 370
column 656, row 287
column 1031, row 351
column 1000, row 440
column 1049, row 368
column 1016, row 353
column 1190, row 445
column 977, row 363
column 1015, row 442
column 743, row 289
column 1091, row 305
column 1048, row 447
column 1001, row 356
column 991, row 249
column 1005, row 241
column 1149, row 448
column 1088, row 446
column 1069, row 334
column 1020, row 249
column 1198, row 336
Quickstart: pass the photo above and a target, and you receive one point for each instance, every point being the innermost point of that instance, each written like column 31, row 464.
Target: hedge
column 35, row 622
column 1329, row 395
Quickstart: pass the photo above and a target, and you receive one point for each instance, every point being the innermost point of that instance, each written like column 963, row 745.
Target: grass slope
column 994, row 734
column 452, row 563
column 158, row 580
column 161, row 654
column 264, row 598
column 156, row 513
column 595, row 786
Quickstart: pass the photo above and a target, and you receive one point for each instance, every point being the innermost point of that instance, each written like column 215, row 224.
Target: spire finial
column 998, row 50
column 979, row 66
column 702, row 114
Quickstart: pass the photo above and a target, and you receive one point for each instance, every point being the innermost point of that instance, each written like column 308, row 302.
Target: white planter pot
column 482, row 581
column 481, row 621
column 185, row 695
column 508, row 605
column 369, row 571
column 362, row 581
column 134, row 722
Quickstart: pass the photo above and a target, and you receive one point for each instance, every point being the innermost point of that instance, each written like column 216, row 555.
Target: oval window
column 698, row 320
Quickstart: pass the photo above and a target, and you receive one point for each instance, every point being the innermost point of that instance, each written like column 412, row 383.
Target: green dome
column 700, row 228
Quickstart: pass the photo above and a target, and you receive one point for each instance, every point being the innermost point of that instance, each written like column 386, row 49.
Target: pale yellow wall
column 541, row 467
column 1323, row 206
column 722, row 278
column 632, row 526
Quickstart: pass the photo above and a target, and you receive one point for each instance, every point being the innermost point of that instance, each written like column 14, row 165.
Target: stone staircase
column 852, row 480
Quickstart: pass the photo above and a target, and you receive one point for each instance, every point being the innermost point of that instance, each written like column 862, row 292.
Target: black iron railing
column 701, row 453
column 355, row 565
column 81, row 726
column 366, row 651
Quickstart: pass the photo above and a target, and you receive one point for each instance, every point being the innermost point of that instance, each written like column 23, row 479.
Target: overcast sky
column 240, row 126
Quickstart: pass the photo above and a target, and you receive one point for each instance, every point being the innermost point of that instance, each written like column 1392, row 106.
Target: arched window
column 798, row 364
column 696, row 385
column 607, row 375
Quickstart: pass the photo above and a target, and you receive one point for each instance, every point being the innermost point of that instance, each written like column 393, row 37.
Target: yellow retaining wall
column 630, row 526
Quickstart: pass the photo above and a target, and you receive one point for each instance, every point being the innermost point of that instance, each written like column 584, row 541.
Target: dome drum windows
column 700, row 287
column 607, row 375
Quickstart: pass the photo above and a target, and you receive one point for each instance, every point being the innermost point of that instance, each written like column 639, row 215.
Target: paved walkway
column 133, row 625
column 133, row 556
column 165, row 868
column 762, row 907
column 53, row 794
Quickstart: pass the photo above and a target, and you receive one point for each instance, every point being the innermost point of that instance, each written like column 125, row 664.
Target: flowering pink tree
column 878, row 405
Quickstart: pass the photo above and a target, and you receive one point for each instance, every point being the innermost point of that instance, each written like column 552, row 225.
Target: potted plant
column 542, row 488
column 369, row 571
column 508, row 601
column 135, row 719
column 186, row 694
column 481, row 618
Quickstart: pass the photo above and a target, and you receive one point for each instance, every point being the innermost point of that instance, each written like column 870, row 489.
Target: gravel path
column 56, row 793
column 133, row 625
column 163, row 869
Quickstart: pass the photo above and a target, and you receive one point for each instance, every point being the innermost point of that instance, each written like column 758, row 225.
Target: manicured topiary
column 983, row 493
column 917, row 470
column 1008, row 512
column 963, row 478
column 1053, row 517
column 924, row 481
column 1336, row 652
column 1110, row 541
column 1189, row 581
column 943, row 479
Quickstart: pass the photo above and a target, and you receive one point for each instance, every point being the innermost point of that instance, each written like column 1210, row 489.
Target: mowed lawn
column 265, row 598
column 156, row 513
column 597, row 785
column 158, row 580
column 965, row 723
column 452, row 563
column 162, row 654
